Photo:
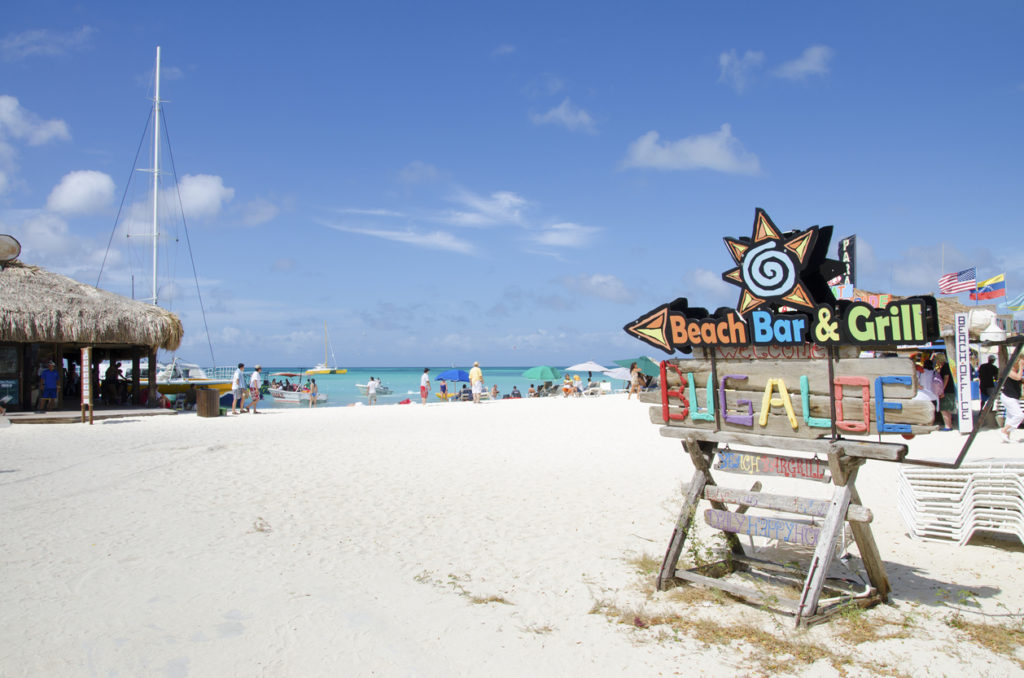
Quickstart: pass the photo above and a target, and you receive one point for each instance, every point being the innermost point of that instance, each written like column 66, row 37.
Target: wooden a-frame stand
column 844, row 460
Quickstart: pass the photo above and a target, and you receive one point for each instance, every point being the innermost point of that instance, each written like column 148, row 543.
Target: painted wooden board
column 776, row 425
column 910, row 412
column 805, row 352
column 758, row 372
column 857, row 449
column 780, row 502
column 757, row 463
column 762, row 526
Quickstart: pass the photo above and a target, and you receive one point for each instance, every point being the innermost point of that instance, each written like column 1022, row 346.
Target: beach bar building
column 46, row 316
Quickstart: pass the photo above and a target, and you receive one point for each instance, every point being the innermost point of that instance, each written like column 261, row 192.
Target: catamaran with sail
column 322, row 368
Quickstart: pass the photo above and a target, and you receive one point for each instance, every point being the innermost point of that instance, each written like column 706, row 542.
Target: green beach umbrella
column 542, row 373
column 647, row 365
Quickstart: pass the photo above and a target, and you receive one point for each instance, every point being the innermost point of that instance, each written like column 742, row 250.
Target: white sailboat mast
column 156, row 167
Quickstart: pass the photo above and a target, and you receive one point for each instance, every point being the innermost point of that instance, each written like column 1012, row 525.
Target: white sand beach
column 449, row 540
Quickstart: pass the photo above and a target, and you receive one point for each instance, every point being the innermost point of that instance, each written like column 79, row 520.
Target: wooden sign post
column 782, row 372
column 86, row 381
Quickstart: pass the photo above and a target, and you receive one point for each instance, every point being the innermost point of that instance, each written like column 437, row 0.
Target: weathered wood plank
column 862, row 535
column 758, row 372
column 682, row 528
column 750, row 593
column 775, row 425
column 823, row 552
column 805, row 352
column 911, row 411
column 861, row 449
column 762, row 526
column 757, row 463
column 780, row 502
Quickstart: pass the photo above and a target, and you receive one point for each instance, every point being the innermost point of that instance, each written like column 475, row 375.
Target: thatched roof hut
column 45, row 316
column 39, row 306
column 947, row 307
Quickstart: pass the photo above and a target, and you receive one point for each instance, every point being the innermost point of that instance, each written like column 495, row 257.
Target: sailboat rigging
column 323, row 368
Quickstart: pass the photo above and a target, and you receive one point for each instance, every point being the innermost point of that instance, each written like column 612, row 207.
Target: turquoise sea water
column 404, row 383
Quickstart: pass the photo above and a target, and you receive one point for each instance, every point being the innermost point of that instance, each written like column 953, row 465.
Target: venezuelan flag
column 991, row 288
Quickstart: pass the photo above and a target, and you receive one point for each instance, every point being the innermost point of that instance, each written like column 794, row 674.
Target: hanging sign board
column 962, row 368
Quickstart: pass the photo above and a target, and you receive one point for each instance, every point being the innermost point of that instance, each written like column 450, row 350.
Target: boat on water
column 292, row 393
column 381, row 389
column 178, row 377
column 323, row 368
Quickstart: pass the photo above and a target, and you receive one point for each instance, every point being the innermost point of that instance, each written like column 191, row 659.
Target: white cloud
column 544, row 85
column 712, row 289
column 18, row 123
column 813, row 61
column 437, row 240
column 372, row 212
column 418, row 172
column 719, row 151
column 81, row 192
column 258, row 211
column 566, row 234
column 565, row 114
column 736, row 70
column 203, row 195
column 502, row 50
column 43, row 42
column 603, row 286
column 501, row 207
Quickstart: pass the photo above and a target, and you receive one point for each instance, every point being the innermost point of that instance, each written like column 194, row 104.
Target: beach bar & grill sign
column 782, row 371
column 802, row 392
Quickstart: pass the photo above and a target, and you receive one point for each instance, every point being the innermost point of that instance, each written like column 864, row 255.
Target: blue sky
column 502, row 182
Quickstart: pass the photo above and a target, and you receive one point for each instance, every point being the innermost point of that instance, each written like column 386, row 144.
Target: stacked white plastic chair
column 952, row 504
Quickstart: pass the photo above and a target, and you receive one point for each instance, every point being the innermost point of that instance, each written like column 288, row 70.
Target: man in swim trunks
column 476, row 379
column 425, row 385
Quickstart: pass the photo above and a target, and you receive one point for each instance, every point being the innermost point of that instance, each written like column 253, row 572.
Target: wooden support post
column 834, row 522
column 862, row 535
column 675, row 545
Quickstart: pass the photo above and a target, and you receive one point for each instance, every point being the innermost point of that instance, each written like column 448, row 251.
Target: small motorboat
column 292, row 393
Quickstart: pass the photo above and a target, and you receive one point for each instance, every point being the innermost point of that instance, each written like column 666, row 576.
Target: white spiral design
column 768, row 272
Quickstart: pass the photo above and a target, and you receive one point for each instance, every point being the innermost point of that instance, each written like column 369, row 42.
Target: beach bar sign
column 776, row 270
column 766, row 371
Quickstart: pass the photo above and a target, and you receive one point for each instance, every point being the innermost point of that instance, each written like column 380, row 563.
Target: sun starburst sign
column 770, row 266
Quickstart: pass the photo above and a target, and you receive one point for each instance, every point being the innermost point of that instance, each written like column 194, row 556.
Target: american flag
column 962, row 281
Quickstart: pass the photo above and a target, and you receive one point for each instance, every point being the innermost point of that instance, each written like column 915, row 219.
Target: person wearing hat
column 48, row 380
column 476, row 380
column 254, row 388
column 238, row 390
column 987, row 374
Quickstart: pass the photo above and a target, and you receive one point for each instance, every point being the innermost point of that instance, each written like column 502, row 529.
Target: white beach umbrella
column 589, row 366
column 618, row 373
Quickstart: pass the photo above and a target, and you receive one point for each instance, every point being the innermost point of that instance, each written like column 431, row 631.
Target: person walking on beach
column 254, row 388
column 425, row 385
column 476, row 380
column 987, row 374
column 313, row 391
column 238, row 390
column 634, row 381
column 371, row 391
column 1010, row 397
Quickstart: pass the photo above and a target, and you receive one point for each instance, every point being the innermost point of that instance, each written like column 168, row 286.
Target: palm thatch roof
column 39, row 306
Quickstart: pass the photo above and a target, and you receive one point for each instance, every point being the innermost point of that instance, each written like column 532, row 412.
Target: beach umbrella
column 542, row 373
column 647, row 365
column 589, row 366
column 453, row 375
column 618, row 373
